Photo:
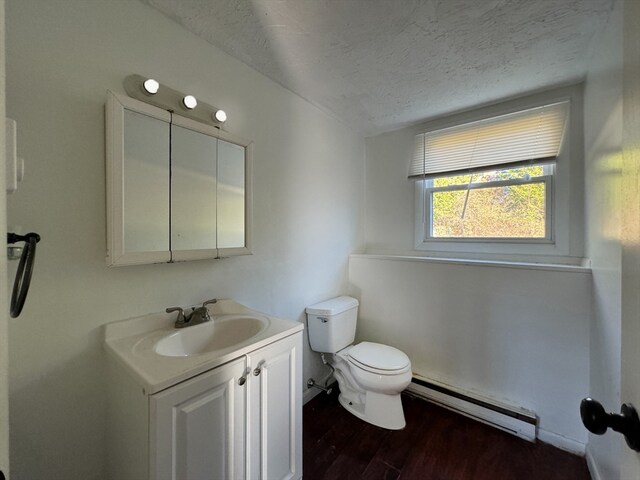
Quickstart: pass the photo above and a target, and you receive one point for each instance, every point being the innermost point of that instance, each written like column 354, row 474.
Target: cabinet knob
column 243, row 379
column 258, row 369
column 597, row 421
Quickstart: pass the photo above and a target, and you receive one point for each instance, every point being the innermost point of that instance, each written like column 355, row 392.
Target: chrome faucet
column 197, row 316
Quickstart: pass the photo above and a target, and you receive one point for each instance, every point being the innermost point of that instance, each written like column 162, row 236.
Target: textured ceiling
column 381, row 64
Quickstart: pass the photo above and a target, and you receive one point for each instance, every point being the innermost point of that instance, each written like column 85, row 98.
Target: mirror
column 177, row 189
column 146, row 183
column 231, row 195
column 193, row 190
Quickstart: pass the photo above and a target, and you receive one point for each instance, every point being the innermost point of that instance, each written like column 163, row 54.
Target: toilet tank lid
column 333, row 306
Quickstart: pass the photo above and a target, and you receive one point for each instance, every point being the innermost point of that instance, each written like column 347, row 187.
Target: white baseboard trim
column 563, row 443
column 592, row 466
column 515, row 420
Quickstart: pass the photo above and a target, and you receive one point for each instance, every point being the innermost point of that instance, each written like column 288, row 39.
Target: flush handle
column 597, row 421
column 323, row 319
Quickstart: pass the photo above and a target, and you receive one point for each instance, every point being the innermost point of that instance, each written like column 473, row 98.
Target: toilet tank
column 332, row 324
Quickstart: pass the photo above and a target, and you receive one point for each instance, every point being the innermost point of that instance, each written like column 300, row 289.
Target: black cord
column 25, row 269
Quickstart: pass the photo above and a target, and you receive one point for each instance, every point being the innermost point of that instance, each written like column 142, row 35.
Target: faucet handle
column 210, row 302
column 180, row 320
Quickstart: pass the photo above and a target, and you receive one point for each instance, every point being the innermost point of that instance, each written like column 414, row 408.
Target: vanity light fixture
column 190, row 102
column 149, row 90
column 220, row 116
column 151, row 86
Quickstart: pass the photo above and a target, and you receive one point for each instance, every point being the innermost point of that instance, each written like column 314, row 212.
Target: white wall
column 389, row 196
column 517, row 335
column 603, row 166
column 4, row 304
column 62, row 56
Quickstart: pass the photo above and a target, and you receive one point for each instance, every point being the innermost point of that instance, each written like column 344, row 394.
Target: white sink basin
column 218, row 334
column 159, row 356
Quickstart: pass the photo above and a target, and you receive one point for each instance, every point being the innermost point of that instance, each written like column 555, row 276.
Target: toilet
column 370, row 375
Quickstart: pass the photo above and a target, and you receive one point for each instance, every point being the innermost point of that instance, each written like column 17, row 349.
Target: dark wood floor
column 436, row 444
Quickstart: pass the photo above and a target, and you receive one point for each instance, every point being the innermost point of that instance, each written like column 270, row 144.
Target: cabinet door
column 231, row 196
column 193, row 191
column 137, row 147
column 274, row 433
column 197, row 427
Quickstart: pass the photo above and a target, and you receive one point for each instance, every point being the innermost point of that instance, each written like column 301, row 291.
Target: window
column 510, row 203
column 490, row 181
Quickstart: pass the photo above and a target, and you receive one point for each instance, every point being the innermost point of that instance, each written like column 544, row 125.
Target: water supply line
column 312, row 383
column 333, row 370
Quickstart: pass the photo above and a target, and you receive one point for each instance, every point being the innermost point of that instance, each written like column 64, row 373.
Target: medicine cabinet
column 177, row 189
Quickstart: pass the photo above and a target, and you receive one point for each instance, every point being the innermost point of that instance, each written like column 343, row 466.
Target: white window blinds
column 530, row 136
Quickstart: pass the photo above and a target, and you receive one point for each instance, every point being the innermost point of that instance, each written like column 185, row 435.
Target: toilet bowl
column 370, row 375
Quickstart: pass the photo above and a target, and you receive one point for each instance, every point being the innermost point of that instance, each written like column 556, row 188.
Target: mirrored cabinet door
column 137, row 147
column 231, row 195
column 193, row 193
column 146, row 184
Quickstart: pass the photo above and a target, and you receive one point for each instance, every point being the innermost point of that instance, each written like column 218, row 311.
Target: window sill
column 478, row 263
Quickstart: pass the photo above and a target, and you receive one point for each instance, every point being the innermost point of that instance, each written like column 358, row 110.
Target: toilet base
column 379, row 409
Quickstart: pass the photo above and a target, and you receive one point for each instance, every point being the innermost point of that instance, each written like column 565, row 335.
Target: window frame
column 566, row 245
column 547, row 178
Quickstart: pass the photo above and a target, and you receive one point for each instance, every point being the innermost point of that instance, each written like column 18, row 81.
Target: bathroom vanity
column 221, row 400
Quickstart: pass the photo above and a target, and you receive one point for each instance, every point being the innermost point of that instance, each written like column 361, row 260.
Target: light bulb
column 151, row 86
column 220, row 116
column 190, row 102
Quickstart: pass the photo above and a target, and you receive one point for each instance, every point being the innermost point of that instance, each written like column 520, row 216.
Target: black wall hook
column 14, row 237
column 25, row 269
column 597, row 421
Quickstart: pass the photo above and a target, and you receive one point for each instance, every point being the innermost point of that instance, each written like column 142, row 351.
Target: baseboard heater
column 515, row 420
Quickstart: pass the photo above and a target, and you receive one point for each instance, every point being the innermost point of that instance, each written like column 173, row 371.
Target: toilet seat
column 378, row 358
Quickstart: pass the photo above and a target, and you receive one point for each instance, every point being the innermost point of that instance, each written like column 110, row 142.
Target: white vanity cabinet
column 197, row 428
column 240, row 420
column 274, row 413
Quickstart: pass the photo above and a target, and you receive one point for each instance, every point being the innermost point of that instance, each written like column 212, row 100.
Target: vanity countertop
column 132, row 343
